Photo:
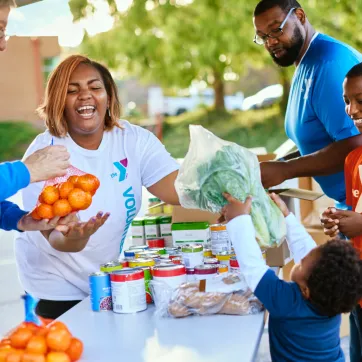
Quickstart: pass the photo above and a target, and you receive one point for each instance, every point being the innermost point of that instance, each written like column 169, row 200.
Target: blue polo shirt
column 297, row 332
column 316, row 114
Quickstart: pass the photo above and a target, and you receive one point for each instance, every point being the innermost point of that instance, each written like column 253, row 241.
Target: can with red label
column 177, row 260
column 156, row 242
column 205, row 271
column 128, row 291
column 173, row 275
column 211, row 261
column 234, row 265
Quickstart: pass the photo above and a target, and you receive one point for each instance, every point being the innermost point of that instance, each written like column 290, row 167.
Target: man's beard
column 292, row 53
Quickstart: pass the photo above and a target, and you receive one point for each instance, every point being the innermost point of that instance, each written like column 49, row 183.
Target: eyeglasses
column 274, row 34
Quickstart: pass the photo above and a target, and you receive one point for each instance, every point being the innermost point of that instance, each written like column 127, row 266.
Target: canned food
column 139, row 247
column 172, row 275
column 178, row 260
column 124, row 263
column 161, row 251
column 141, row 262
column 100, row 291
column 190, row 275
column 148, row 278
column 223, row 269
column 192, row 255
column 147, row 254
column 131, row 253
column 212, row 261
column 205, row 271
column 128, row 290
column 156, row 243
column 234, row 265
column 111, row 266
column 224, row 257
column 172, row 250
column 172, row 256
column 219, row 238
column 207, row 253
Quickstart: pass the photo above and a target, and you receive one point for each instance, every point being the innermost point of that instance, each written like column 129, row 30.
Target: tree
column 173, row 42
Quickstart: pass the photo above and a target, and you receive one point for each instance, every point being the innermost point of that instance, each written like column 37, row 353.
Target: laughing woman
column 81, row 111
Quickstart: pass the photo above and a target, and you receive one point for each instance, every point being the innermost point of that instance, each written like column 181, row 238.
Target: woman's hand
column 235, row 208
column 73, row 236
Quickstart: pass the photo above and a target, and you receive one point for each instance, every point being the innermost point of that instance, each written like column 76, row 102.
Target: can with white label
column 193, row 255
column 128, row 291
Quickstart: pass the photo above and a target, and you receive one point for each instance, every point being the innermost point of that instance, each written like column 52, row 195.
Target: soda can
column 100, row 292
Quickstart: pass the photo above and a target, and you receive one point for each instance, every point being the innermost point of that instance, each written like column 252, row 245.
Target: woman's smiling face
column 86, row 102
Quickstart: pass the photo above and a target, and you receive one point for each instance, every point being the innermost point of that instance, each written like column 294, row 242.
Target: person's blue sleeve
column 10, row 214
column 14, row 176
column 280, row 298
column 327, row 97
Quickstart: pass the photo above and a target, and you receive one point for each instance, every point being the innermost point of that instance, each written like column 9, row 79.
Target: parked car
column 264, row 98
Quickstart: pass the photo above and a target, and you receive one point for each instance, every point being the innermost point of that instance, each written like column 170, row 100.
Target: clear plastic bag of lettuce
column 213, row 166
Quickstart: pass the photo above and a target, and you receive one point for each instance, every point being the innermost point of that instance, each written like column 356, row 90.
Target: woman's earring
column 109, row 113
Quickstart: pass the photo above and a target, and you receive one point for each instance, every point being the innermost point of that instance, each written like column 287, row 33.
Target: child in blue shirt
column 305, row 314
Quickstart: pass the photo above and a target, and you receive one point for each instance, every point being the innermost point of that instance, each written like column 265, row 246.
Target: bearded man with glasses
column 315, row 119
column 315, row 115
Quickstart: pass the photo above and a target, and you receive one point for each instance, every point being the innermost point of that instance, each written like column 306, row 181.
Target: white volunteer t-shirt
column 126, row 160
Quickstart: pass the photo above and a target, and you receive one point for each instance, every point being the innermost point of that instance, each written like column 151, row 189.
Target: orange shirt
column 353, row 178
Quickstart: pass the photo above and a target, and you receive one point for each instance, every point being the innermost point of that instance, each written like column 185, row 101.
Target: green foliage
column 260, row 128
column 15, row 138
column 172, row 44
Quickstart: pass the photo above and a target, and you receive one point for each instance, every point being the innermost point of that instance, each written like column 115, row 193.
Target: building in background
column 25, row 66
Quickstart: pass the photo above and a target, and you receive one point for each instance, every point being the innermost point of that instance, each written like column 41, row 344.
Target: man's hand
column 349, row 222
column 273, row 173
column 235, row 208
column 49, row 162
column 27, row 223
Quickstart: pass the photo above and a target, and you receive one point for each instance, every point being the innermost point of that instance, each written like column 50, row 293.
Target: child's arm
column 279, row 297
column 300, row 243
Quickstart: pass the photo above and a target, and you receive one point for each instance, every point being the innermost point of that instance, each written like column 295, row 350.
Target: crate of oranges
column 32, row 343
column 66, row 194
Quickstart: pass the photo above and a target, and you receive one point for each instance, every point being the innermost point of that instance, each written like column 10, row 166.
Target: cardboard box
column 279, row 256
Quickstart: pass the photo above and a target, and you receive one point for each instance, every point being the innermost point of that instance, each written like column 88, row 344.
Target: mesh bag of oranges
column 62, row 195
column 32, row 341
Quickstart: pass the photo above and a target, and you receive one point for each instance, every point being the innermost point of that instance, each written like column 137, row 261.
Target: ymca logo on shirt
column 121, row 166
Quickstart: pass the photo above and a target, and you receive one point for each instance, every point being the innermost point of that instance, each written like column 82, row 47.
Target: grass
column 257, row 128
column 15, row 138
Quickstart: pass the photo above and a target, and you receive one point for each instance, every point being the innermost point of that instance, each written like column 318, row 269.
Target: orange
column 88, row 200
column 58, row 340
column 75, row 349
column 65, row 188
column 62, row 208
column 88, row 183
column 49, row 195
column 15, row 356
column 78, row 199
column 57, row 325
column 73, row 179
column 45, row 211
column 20, row 338
column 57, row 357
column 37, row 344
column 33, row 357
column 34, row 214
column 4, row 352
